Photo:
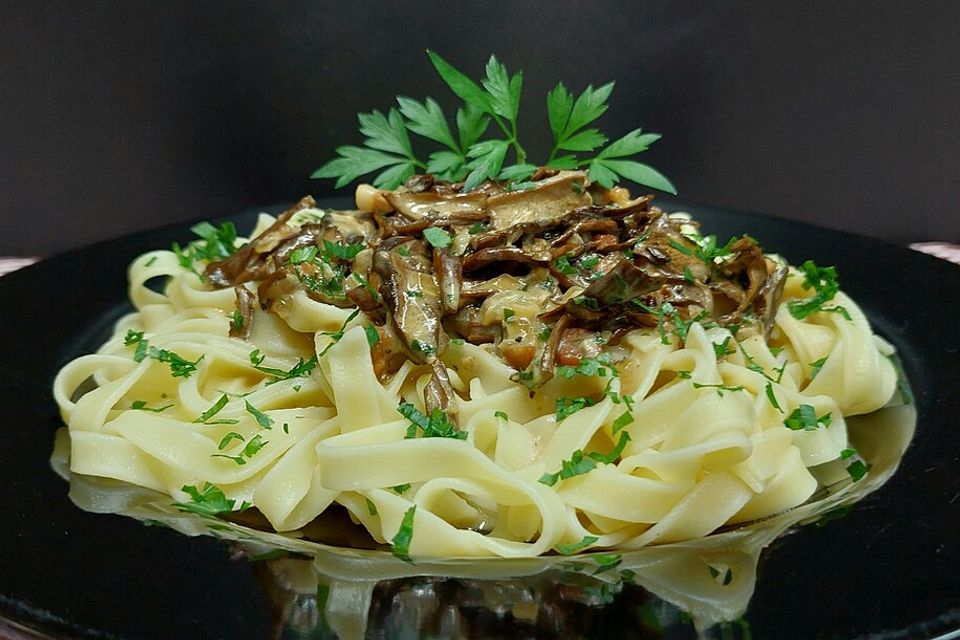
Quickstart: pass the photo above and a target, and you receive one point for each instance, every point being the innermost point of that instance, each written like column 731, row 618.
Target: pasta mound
column 664, row 430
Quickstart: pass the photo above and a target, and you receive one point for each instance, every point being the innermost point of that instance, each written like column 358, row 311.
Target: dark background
column 116, row 116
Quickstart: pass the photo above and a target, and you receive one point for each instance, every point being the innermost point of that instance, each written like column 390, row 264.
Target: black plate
column 889, row 569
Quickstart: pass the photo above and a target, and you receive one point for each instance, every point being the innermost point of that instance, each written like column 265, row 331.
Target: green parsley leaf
column 595, row 366
column 824, row 282
column 501, row 415
column 253, row 446
column 722, row 349
column 816, row 365
column 625, row 418
column 804, row 418
column 573, row 547
column 606, row 562
column 208, row 502
column 141, row 405
column 263, row 419
column 371, row 507
column 338, row 334
column 204, row 418
column 373, row 336
column 400, row 545
column 427, row 119
column 575, row 466
column 610, row 458
column 342, row 251
column 132, row 337
column 768, row 389
column 401, row 488
column 437, row 425
column 507, row 314
column 856, row 467
column 227, row 439
column 565, row 407
column 437, row 237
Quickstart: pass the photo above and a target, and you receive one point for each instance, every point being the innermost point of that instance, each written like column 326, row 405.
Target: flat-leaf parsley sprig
column 387, row 146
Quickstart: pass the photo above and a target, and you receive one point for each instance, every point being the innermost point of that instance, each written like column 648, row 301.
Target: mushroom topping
column 543, row 276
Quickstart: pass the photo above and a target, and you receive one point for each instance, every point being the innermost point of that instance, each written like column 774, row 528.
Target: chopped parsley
column 253, row 446
column 566, row 407
column 303, row 367
column 597, row 366
column 437, row 237
column 400, row 545
column 437, row 425
column 141, row 405
column 227, row 439
column 501, row 415
column 625, row 418
column 338, row 334
column 575, row 466
column 401, row 489
column 610, row 458
column 816, row 365
column 805, row 418
column 180, row 367
column 856, row 467
column 722, row 349
column 508, row 314
column 263, row 419
column 724, row 577
column 721, row 389
column 371, row 507
column 209, row 502
column 373, row 336
column 205, row 417
column 823, row 281
column 768, row 389
column 573, row 547
column 236, row 320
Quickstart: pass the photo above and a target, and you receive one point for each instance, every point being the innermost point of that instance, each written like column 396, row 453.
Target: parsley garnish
column 596, row 366
column 804, row 418
column 856, row 467
column 611, row 457
column 437, row 237
column 722, row 348
column 180, row 367
column 719, row 387
column 816, row 365
column 437, row 425
column 209, row 502
column 236, row 320
column 496, row 98
column 252, row 447
column 263, row 419
column 568, row 406
column 573, row 547
column 400, row 545
column 400, row 489
column 501, row 415
column 373, row 336
column 141, row 405
column 303, row 367
column 371, row 507
column 204, row 418
column 768, row 389
column 823, row 281
column 727, row 575
column 227, row 439
column 575, row 466
column 625, row 418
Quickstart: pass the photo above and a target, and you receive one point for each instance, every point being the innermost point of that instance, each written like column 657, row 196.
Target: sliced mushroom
column 552, row 199
column 245, row 300
column 413, row 298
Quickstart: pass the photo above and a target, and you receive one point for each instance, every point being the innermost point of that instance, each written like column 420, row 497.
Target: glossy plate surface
column 889, row 569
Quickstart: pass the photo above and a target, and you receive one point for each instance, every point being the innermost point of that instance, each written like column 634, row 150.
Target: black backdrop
column 117, row 116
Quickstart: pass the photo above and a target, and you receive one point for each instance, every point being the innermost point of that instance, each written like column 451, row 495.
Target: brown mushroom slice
column 549, row 355
column 467, row 322
column 448, row 269
column 244, row 312
column 770, row 294
column 415, row 206
column 349, row 227
column 577, row 344
column 485, row 257
column 386, row 356
column 249, row 262
column 620, row 282
column 552, row 199
column 438, row 392
column 413, row 298
column 751, row 261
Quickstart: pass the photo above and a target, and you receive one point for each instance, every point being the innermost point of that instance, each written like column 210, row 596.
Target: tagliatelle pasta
column 665, row 433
